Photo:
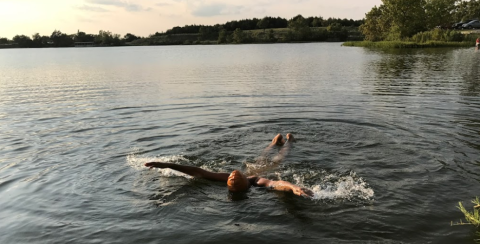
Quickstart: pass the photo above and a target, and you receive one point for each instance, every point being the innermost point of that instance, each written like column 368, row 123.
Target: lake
column 389, row 141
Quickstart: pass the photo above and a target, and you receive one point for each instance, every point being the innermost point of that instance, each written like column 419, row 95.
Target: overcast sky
column 144, row 17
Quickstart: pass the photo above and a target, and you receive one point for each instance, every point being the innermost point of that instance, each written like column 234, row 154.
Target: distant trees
column 83, row 37
column 299, row 28
column 222, row 36
column 266, row 22
column 60, row 39
column 130, row 37
column 106, row 38
column 22, row 40
column 263, row 24
column 238, row 36
column 4, row 40
column 40, row 41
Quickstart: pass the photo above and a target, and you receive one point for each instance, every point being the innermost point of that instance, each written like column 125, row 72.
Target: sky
column 145, row 17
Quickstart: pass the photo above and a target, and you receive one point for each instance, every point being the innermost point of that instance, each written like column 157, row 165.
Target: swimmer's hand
column 303, row 192
column 152, row 165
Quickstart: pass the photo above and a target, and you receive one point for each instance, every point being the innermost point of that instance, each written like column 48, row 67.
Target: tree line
column 399, row 20
column 59, row 39
column 264, row 23
column 296, row 29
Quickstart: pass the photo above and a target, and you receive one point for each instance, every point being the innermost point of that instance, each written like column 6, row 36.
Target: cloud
column 92, row 8
column 83, row 19
column 216, row 9
column 130, row 7
column 163, row 4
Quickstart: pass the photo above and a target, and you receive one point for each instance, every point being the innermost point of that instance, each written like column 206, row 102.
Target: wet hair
column 237, row 196
column 237, row 182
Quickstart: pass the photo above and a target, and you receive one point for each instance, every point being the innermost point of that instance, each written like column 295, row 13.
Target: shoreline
column 403, row 44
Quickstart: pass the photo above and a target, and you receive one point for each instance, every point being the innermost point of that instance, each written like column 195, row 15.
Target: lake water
column 388, row 140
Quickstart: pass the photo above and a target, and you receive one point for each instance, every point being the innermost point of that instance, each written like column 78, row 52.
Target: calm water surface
column 388, row 140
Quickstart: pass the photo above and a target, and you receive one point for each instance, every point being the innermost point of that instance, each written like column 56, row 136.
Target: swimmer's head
column 237, row 182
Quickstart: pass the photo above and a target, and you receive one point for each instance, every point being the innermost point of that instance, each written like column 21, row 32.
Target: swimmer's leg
column 262, row 163
column 276, row 141
column 285, row 149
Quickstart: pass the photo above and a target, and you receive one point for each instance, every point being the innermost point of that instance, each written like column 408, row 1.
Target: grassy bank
column 402, row 44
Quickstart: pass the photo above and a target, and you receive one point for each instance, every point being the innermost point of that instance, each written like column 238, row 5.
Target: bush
column 473, row 218
column 441, row 36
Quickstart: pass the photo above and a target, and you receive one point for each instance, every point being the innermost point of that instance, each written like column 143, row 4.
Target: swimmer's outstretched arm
column 281, row 185
column 190, row 170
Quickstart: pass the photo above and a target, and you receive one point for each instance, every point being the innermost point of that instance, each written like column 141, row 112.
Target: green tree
column 334, row 27
column 104, row 38
column 39, row 41
column 222, row 36
column 202, row 33
column 60, row 39
column 271, row 36
column 4, row 40
column 439, row 12
column 263, row 24
column 299, row 27
column 83, row 37
column 407, row 17
column 317, row 22
column 376, row 24
column 130, row 37
column 472, row 10
column 229, row 38
column 22, row 41
column 238, row 36
column 116, row 40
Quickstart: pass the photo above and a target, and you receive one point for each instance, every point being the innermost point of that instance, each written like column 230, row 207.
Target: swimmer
column 238, row 182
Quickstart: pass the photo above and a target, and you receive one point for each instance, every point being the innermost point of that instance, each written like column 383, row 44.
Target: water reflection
column 470, row 65
column 434, row 87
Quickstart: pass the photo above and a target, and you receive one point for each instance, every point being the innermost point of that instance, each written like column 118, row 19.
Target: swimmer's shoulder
column 258, row 181
column 253, row 180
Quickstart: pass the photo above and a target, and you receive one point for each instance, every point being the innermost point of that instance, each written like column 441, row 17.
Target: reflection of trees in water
column 437, row 71
column 470, row 66
column 467, row 148
column 409, row 72
column 395, row 74
column 445, row 84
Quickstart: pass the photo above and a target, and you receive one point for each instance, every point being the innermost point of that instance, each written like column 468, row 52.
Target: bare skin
column 276, row 141
column 252, row 180
column 263, row 164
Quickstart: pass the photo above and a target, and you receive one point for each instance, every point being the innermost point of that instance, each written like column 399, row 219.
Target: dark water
column 388, row 141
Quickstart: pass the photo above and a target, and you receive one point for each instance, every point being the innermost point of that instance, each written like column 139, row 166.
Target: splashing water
column 325, row 186
column 335, row 186
column 138, row 163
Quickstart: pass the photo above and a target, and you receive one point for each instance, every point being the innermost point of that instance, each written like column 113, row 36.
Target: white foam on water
column 325, row 186
column 137, row 162
column 335, row 186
